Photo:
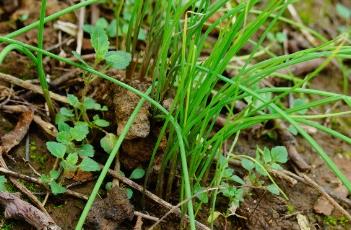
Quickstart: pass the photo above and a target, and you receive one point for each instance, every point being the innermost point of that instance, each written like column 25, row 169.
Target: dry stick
column 80, row 30
column 29, row 86
column 175, row 210
column 326, row 195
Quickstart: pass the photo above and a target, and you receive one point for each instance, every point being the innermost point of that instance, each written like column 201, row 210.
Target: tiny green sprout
column 50, row 180
column 136, row 174
column 3, row 184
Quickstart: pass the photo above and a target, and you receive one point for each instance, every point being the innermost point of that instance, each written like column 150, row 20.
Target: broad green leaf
column 129, row 193
column 54, row 174
column 56, row 149
column 66, row 112
column 108, row 142
column 89, row 165
column 100, row 43
column 68, row 166
column 237, row 179
column 102, row 23
column 260, row 170
column 88, row 28
column 111, row 29
column 72, row 158
column 2, row 184
column 64, row 137
column 57, row 188
column 228, row 172
column 276, row 166
column 101, row 123
column 63, row 126
column 90, row 103
column 247, row 164
column 73, row 100
column 343, row 11
column 60, row 118
column 79, row 131
column 267, row 155
column 273, row 189
column 86, row 150
column 118, row 59
column 137, row 174
column 279, row 154
column 213, row 216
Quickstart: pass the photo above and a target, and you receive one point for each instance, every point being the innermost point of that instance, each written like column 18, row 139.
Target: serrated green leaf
column 54, row 174
column 90, row 104
column 247, row 164
column 279, row 154
column 60, row 118
column 73, row 100
column 273, row 189
column 2, row 184
column 79, row 131
column 129, row 193
column 68, row 166
column 66, row 112
column 108, row 142
column 72, row 158
column 137, row 173
column 101, row 123
column 99, row 42
column 237, row 179
column 267, row 155
column 111, row 29
column 89, row 165
column 63, row 126
column 102, row 23
column 343, row 11
column 57, row 188
column 118, row 59
column 86, row 150
column 64, row 137
column 56, row 149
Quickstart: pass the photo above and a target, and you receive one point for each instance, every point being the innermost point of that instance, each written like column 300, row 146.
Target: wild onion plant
column 178, row 37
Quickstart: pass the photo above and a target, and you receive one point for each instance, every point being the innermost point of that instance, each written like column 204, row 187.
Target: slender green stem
column 51, row 18
column 21, row 49
column 40, row 66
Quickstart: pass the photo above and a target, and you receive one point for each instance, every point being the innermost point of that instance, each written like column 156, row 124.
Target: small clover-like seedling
column 71, row 145
column 99, row 37
column 50, row 180
column 137, row 173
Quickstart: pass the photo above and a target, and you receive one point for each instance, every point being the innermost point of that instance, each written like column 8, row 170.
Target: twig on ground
column 80, row 30
column 19, row 209
column 165, row 204
column 29, row 86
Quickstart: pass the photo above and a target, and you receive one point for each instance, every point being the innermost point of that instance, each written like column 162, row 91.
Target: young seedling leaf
column 118, row 59
column 228, row 172
column 64, row 137
column 108, row 142
column 202, row 196
column 79, row 58
column 276, row 166
column 72, row 158
column 63, row 126
column 89, row 165
column 129, row 193
column 66, row 112
column 79, row 131
column 137, row 173
column 101, row 23
column 2, row 184
column 45, row 179
column 237, row 179
column 57, row 188
column 100, row 122
column 247, row 164
column 73, row 100
column 293, row 130
column 111, row 29
column 100, row 43
column 267, row 155
column 90, row 104
column 273, row 189
column 279, row 154
column 56, row 149
column 54, row 174
column 86, row 150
